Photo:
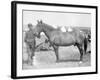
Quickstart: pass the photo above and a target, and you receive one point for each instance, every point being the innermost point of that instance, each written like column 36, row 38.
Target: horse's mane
column 47, row 26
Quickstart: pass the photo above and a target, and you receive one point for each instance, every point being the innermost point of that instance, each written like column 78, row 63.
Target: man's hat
column 29, row 25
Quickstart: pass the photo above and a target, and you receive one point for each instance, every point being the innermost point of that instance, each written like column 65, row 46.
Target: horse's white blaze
column 70, row 29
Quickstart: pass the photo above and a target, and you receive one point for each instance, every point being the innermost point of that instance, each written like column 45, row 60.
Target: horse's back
column 62, row 38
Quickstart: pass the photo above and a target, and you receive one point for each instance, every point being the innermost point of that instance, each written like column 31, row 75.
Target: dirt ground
column 69, row 57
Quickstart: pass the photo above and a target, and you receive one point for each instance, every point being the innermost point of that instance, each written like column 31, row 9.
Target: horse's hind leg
column 81, row 52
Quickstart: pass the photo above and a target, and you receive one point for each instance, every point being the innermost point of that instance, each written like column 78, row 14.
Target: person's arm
column 25, row 39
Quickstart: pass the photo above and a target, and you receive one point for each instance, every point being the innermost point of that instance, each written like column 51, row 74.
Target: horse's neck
column 47, row 31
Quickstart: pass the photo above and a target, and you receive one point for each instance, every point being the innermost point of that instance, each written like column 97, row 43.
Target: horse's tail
column 85, row 44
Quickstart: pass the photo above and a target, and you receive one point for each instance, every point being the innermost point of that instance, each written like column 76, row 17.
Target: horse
column 58, row 38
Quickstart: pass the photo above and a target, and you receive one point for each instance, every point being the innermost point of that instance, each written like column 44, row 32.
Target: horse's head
column 38, row 29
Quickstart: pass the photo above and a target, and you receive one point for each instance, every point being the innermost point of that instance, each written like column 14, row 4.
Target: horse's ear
column 38, row 21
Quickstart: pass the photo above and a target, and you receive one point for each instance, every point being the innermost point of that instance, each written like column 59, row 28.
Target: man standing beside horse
column 30, row 42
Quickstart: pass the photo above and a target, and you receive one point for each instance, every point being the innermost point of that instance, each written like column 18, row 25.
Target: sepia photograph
column 53, row 39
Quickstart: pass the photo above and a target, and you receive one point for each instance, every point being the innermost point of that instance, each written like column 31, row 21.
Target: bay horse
column 58, row 38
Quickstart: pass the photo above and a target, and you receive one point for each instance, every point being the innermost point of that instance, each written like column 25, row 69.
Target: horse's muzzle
column 38, row 36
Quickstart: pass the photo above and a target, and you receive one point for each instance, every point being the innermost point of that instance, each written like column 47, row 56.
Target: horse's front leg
column 56, row 53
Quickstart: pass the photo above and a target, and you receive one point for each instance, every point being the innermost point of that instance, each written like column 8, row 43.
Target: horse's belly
column 67, row 43
column 64, row 42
